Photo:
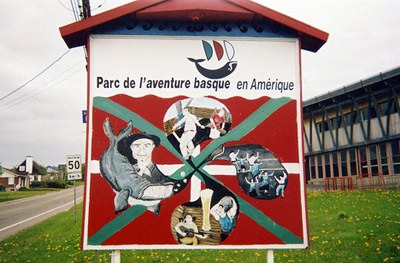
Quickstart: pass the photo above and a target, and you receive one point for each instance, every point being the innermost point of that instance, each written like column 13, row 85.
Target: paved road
column 20, row 214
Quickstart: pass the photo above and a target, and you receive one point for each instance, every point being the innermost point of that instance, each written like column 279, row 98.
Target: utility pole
column 86, row 8
column 86, row 14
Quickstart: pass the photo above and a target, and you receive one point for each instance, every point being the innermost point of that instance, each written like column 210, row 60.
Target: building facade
column 351, row 135
column 13, row 181
column 30, row 168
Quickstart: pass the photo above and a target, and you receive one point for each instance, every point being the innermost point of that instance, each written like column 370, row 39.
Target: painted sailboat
column 219, row 50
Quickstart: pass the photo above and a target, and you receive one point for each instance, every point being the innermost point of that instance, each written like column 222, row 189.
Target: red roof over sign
column 238, row 11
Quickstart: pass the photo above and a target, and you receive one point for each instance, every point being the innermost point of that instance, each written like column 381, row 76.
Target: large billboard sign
column 194, row 142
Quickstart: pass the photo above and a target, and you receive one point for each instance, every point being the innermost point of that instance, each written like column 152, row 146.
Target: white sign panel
column 73, row 164
column 74, row 176
column 172, row 67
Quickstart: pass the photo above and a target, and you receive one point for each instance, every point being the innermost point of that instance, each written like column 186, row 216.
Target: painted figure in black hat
column 138, row 148
column 128, row 167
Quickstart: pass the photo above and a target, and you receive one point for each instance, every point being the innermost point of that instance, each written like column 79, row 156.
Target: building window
column 368, row 113
column 364, row 114
column 333, row 123
column 363, row 160
column 335, row 164
column 327, row 166
column 312, row 167
column 347, row 119
column 373, row 112
column 393, row 108
column 307, row 168
column 350, row 118
column 384, row 107
column 396, row 156
column 373, row 159
column 339, row 121
column 343, row 162
column 353, row 161
column 10, row 180
column 384, row 162
column 388, row 107
column 319, row 160
column 323, row 126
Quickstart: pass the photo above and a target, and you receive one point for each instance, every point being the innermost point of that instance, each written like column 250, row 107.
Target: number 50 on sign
column 74, row 166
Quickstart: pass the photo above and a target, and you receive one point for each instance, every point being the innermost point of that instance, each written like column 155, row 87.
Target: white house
column 29, row 167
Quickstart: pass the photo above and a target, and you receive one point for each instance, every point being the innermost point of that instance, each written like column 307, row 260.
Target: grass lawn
column 344, row 227
column 13, row 195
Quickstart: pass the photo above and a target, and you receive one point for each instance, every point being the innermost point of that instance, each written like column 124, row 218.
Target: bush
column 48, row 184
column 2, row 188
column 56, row 184
column 23, row 189
column 37, row 184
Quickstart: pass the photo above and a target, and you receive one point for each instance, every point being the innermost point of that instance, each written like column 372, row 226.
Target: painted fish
column 219, row 73
column 130, row 187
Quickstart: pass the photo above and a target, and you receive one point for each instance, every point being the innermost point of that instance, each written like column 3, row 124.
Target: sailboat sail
column 219, row 50
column 230, row 51
column 207, row 49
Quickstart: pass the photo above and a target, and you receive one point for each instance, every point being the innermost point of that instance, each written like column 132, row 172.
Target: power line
column 66, row 7
column 99, row 6
column 18, row 100
column 76, row 13
column 75, row 10
column 34, row 95
column 32, row 79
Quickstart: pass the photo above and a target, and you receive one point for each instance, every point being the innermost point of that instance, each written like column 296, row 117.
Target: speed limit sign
column 73, row 164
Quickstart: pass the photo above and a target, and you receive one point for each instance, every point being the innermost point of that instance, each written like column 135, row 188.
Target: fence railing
column 362, row 182
column 339, row 183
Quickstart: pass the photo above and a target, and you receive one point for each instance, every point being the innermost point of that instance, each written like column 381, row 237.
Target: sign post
column 270, row 256
column 115, row 256
column 74, row 172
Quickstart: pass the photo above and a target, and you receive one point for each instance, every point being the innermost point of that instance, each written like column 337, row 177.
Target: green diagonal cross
column 241, row 130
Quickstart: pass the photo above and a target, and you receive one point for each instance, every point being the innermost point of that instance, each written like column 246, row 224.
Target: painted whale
column 130, row 187
column 219, row 73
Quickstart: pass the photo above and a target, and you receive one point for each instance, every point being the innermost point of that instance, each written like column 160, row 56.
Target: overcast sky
column 43, row 118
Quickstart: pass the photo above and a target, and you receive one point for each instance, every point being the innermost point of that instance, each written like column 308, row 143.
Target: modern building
column 351, row 135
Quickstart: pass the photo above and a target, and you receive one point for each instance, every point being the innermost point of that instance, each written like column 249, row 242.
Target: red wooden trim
column 87, row 157
column 304, row 28
column 188, row 5
column 107, row 16
column 75, row 34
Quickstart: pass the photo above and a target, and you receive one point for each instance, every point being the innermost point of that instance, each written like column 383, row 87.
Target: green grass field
column 344, row 227
column 14, row 195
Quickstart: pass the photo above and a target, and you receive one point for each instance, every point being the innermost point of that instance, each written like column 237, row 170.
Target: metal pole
column 74, row 202
column 270, row 256
column 115, row 256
